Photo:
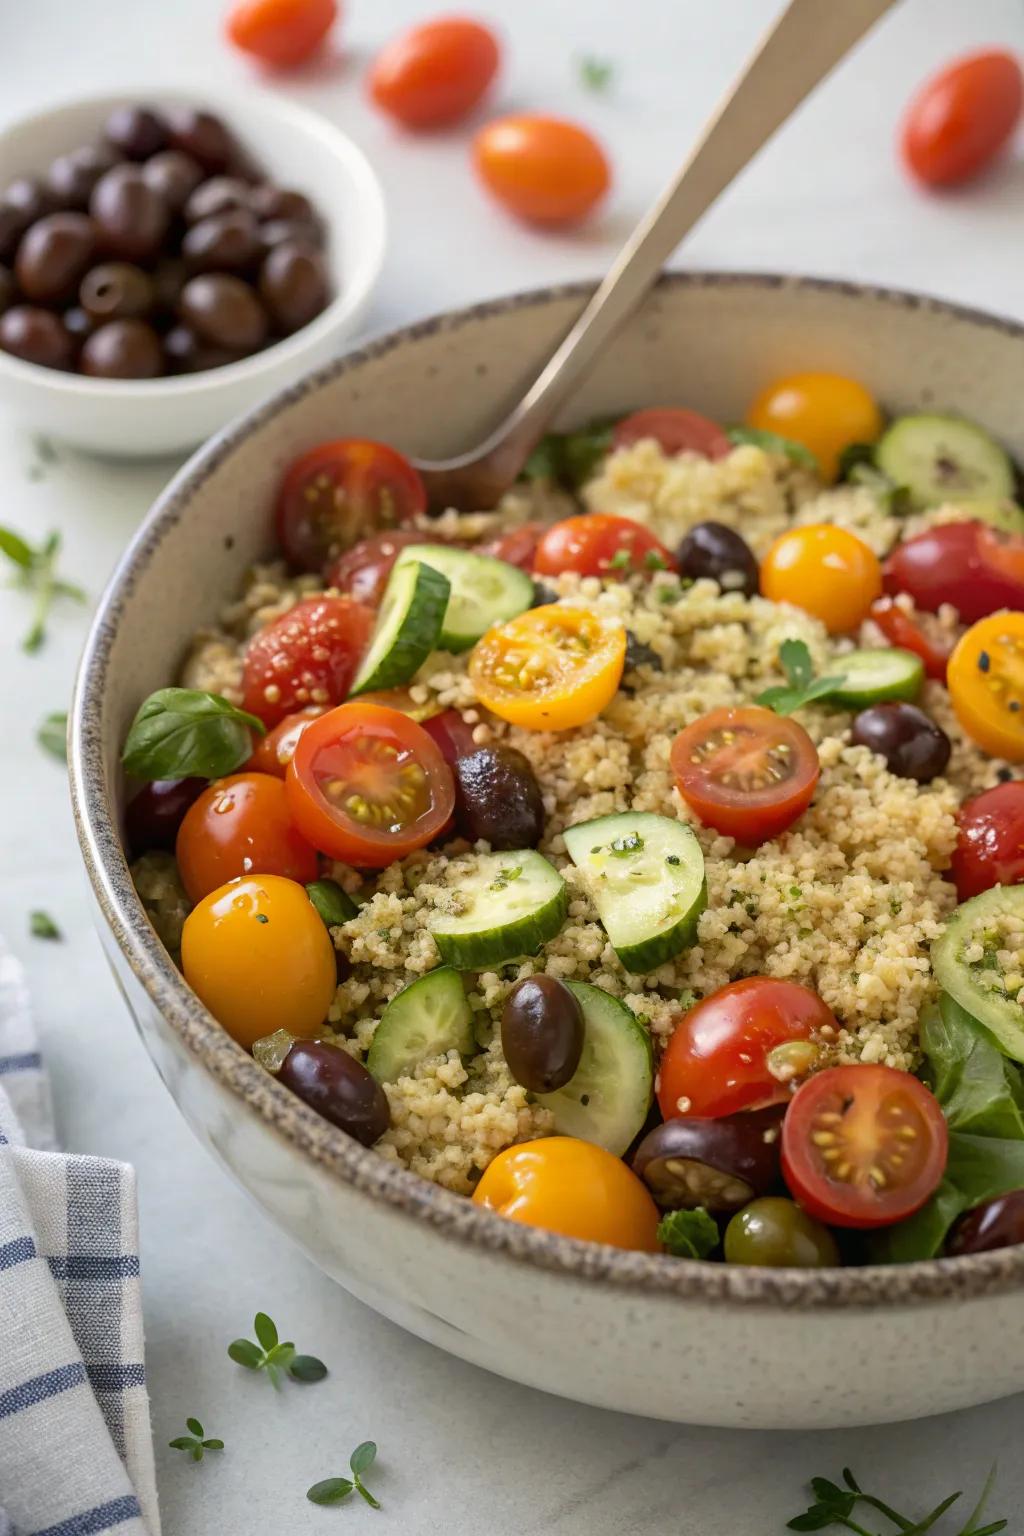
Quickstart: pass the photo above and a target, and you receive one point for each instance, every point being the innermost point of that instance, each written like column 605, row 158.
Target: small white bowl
column 147, row 417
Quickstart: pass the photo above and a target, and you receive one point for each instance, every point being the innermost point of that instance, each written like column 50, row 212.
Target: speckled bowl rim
column 455, row 1217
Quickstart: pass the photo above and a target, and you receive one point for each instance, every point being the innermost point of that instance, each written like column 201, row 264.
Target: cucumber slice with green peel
column 428, row 1018
column 874, row 676
column 944, row 458
column 510, row 904
column 645, row 874
column 408, row 628
column 484, row 591
column 966, row 962
column 1005, row 515
column 608, row 1096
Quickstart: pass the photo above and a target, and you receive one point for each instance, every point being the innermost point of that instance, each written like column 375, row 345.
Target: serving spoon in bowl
column 806, row 42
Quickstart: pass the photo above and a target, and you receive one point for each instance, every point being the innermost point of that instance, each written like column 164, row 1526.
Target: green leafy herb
column 688, row 1234
column 569, row 458
column 773, row 442
column 857, row 467
column 36, row 572
column 620, row 561
column 834, row 1505
column 654, row 561
column 274, row 1357
column 179, row 733
column 193, row 1442
column 42, row 926
column 333, row 905
column 624, row 847
column 803, row 686
column 504, row 877
column 52, row 735
column 595, row 74
column 333, row 1489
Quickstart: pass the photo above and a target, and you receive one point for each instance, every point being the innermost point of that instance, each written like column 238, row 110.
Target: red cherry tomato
column 976, row 568
column 863, row 1146
column 677, row 431
column 747, row 772
column 542, row 169
column 912, row 635
column 280, row 32
column 363, row 570
column 435, row 73
column 340, row 492
column 517, row 546
column 451, row 734
column 740, row 1048
column 368, row 785
column 307, row 656
column 962, row 117
column 274, row 751
column 990, row 844
column 241, row 826
column 598, row 544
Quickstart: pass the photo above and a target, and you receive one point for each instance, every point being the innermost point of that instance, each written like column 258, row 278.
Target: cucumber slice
column 965, row 959
column 872, row 676
column 407, row 630
column 1007, row 516
column 646, row 876
column 512, row 903
column 429, row 1017
column 484, row 591
column 607, row 1098
column 944, row 458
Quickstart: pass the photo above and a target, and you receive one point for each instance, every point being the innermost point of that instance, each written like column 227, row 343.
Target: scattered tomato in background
column 435, row 73
column 542, row 169
column 826, row 412
column 280, row 32
column 961, row 118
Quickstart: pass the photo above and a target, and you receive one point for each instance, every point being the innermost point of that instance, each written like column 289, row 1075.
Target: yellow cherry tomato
column 572, row 1187
column 986, row 684
column 549, row 669
column 825, row 571
column 258, row 955
column 824, row 411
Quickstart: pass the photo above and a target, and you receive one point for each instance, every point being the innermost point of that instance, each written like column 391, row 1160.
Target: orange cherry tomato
column 274, row 751
column 826, row 412
column 986, row 684
column 542, row 169
column 675, row 430
column 368, row 785
column 280, row 32
column 961, row 118
column 826, row 571
column 549, row 669
column 435, row 73
column 257, row 953
column 241, row 826
column 747, row 772
column 599, row 544
column 574, row 1188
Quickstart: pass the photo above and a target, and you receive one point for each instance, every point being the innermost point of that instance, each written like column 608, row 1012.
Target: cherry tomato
column 274, row 751
column 362, row 571
column 598, row 544
column 280, row 32
column 740, row 1048
column 824, row 411
column 961, row 118
column 976, row 568
column 452, row 735
column 306, row 657
column 863, row 1146
column 986, row 684
column 338, row 493
column 241, row 826
column 368, row 785
column 910, row 634
column 550, row 669
column 747, row 772
column 517, row 546
column 574, row 1188
column 542, row 169
column 435, row 73
column 256, row 952
column 990, row 842
column 824, row 570
column 676, row 430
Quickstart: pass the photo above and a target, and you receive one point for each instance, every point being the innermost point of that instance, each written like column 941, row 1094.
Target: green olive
column 776, row 1232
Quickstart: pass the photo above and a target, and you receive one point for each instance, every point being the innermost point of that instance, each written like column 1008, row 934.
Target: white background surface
column 459, row 1450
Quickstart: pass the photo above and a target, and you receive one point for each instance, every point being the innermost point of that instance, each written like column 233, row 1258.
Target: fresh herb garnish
column 857, row 467
column 42, row 926
column 194, row 1442
column 179, row 733
column 620, row 561
column 569, row 458
column 803, row 686
column 52, row 735
column 655, row 561
column 333, row 1489
column 334, row 905
column 688, row 1234
column 274, row 1357
column 834, row 1506
column 624, row 847
column 595, row 74
column 774, row 442
column 505, row 877
column 36, row 572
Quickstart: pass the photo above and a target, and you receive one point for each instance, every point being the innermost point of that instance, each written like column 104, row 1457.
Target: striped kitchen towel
column 76, row 1452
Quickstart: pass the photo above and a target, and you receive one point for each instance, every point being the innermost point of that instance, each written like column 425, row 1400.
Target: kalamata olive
column 338, row 1087
column 131, row 218
column 173, row 176
column 153, row 816
column 8, row 290
column 135, row 132
column 123, row 349
column 543, row 594
column 913, row 746
column 78, row 323
column 270, row 202
column 37, row 336
column 640, row 655
column 200, row 135
column 542, row 1033
column 218, row 194
column 116, row 290
column 293, row 286
column 497, row 798
column 52, row 256
column 292, row 232
column 71, row 177
column 776, row 1233
column 225, row 242
column 998, row 1223
column 719, row 553
column 187, row 354
column 719, row 1164
column 169, row 277
column 224, row 311
column 22, row 203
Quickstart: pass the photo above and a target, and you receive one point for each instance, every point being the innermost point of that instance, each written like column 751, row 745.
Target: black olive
column 998, row 1223
column 338, row 1087
column 497, row 798
column 640, row 655
column 542, row 595
column 153, row 816
column 913, row 746
column 719, row 1164
column 542, row 1033
column 719, row 553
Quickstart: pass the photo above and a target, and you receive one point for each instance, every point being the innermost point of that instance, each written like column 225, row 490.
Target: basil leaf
column 981, row 1091
column 853, row 455
column 795, row 660
column 334, row 905
column 978, row 1169
column 688, row 1234
column 774, row 442
column 181, row 733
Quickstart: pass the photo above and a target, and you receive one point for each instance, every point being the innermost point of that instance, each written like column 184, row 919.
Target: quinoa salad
column 639, row 858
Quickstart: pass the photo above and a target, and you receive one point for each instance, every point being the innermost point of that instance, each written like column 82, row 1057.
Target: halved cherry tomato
column 961, row 118
column 274, row 751
column 435, row 73
column 542, row 169
column 280, row 32
column 975, row 568
column 986, row 684
column 824, row 411
column 598, row 544
column 572, row 1187
column 863, row 1146
column 368, row 785
column 747, row 771
column 549, row 669
column 741, row 1048
column 362, row 571
column 912, row 635
column 824, row 570
column 340, row 492
column 307, row 656
column 517, row 546
column 241, row 825
column 990, row 843
column 676, row 430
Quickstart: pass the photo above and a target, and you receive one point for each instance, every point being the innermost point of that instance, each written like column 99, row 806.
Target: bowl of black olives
column 165, row 263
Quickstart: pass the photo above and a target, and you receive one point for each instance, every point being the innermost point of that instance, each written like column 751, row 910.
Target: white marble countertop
column 459, row 1450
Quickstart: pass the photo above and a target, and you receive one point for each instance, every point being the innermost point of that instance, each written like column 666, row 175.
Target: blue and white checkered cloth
column 76, row 1451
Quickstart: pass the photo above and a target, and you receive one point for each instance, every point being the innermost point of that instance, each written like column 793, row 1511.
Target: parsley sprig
column 333, row 1489
column 835, row 1506
column 42, row 926
column 802, row 686
column 689, row 1234
column 36, row 572
column 273, row 1356
column 193, row 1442
column 595, row 74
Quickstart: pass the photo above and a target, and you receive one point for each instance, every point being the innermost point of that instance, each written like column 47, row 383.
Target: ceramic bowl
column 135, row 419
column 648, row 1334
